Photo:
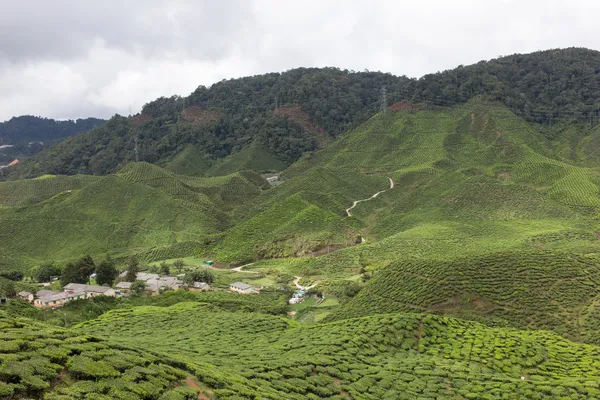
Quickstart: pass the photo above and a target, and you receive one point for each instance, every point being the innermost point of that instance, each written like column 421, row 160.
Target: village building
column 49, row 298
column 91, row 290
column 141, row 276
column 241, row 287
column 199, row 287
column 27, row 296
column 123, row 289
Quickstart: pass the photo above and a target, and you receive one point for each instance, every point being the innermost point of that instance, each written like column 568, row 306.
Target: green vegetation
column 144, row 209
column 536, row 290
column 27, row 128
column 399, row 356
column 477, row 199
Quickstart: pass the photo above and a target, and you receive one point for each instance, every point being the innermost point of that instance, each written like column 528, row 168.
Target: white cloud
column 69, row 59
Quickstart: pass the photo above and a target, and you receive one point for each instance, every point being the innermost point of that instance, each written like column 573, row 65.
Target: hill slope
column 142, row 208
column 301, row 109
column 400, row 356
column 470, row 175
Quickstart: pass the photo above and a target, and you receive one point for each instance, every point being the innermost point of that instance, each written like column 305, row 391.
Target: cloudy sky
column 77, row 58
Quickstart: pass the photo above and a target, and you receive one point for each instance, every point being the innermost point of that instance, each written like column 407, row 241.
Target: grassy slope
column 143, row 208
column 252, row 157
column 537, row 290
column 43, row 361
column 468, row 180
column 395, row 356
column 190, row 161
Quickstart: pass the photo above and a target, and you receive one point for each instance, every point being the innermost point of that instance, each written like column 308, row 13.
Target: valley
column 443, row 247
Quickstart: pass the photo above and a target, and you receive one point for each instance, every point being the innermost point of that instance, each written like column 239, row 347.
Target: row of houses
column 156, row 284
column 73, row 291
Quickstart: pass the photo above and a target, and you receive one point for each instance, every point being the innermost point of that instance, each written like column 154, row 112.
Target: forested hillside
column 301, row 110
column 26, row 135
column 27, row 128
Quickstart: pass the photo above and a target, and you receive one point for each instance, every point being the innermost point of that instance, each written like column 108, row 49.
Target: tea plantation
column 395, row 356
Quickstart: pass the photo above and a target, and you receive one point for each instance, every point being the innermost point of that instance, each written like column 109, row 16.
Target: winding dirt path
column 239, row 269
column 370, row 198
column 304, row 288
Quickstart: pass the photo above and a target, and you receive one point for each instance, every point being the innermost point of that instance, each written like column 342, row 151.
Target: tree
column 138, row 288
column 133, row 267
column 106, row 272
column 86, row 267
column 71, row 274
column 78, row 272
column 179, row 264
column 164, row 268
column 199, row 276
column 45, row 272
column 7, row 288
column 12, row 275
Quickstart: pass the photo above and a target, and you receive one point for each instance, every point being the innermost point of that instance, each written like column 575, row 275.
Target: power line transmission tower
column 383, row 105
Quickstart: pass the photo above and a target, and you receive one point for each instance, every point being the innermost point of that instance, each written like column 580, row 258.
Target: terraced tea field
column 399, row 356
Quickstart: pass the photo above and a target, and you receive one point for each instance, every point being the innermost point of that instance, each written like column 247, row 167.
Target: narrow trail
column 239, row 269
column 370, row 198
column 304, row 288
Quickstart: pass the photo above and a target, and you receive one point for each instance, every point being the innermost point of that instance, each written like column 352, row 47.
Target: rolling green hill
column 142, row 209
column 536, row 290
column 474, row 175
column 395, row 356
column 455, row 236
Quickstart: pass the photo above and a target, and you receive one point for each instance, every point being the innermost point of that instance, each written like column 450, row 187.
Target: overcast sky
column 77, row 58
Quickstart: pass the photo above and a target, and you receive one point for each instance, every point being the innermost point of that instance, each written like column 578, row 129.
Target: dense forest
column 27, row 128
column 297, row 111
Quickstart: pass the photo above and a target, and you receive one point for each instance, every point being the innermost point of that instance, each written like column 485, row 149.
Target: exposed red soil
column 597, row 235
column 402, row 105
column 199, row 115
column 295, row 114
column 141, row 119
column 191, row 383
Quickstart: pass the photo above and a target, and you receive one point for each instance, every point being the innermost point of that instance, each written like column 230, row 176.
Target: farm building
column 27, row 296
column 141, row 276
column 50, row 298
column 241, row 287
column 122, row 288
column 91, row 290
column 199, row 287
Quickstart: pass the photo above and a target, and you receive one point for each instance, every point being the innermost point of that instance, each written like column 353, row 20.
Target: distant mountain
column 24, row 136
column 27, row 128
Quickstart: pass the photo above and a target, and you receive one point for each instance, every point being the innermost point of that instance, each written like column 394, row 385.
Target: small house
column 156, row 286
column 53, row 299
column 199, row 287
column 27, row 296
column 91, row 290
column 241, row 287
column 122, row 289
column 141, row 276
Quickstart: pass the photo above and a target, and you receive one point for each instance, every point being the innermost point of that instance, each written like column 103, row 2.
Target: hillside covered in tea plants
column 395, row 356
column 447, row 245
